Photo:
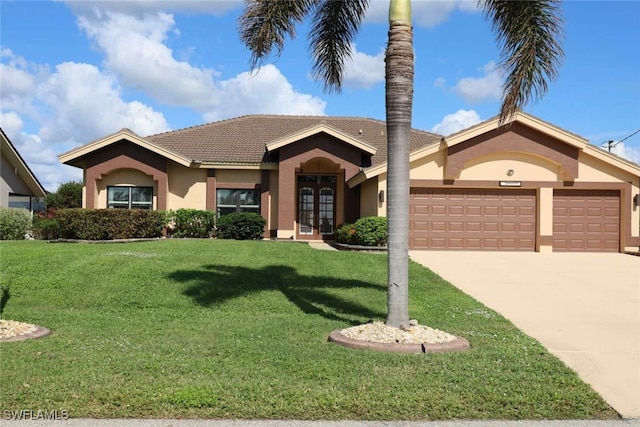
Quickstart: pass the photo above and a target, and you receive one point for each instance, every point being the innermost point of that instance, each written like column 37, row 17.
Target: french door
column 316, row 206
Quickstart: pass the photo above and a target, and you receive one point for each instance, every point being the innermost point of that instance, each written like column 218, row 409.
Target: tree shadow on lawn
column 216, row 284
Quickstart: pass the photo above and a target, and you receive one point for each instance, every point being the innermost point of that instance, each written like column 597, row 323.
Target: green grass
column 225, row 329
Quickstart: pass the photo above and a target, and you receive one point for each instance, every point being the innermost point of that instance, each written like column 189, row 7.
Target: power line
column 610, row 143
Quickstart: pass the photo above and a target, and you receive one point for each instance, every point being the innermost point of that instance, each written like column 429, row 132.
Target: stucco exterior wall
column 369, row 197
column 187, row 188
column 10, row 182
column 510, row 166
column 429, row 167
column 226, row 177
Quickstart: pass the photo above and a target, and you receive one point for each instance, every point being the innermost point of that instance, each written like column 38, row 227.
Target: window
column 130, row 197
column 30, row 203
column 229, row 201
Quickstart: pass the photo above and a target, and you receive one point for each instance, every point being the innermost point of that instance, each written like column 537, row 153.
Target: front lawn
column 225, row 329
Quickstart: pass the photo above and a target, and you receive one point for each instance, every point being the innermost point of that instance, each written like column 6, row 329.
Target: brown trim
column 265, row 192
column 211, row 190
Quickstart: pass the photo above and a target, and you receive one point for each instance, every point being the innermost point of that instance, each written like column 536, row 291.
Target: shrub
column 67, row 196
column 241, row 226
column 367, row 231
column 45, row 225
column 346, row 234
column 15, row 223
column 371, row 231
column 192, row 223
column 99, row 224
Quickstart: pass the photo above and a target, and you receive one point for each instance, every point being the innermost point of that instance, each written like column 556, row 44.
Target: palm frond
column 265, row 25
column 529, row 34
column 335, row 26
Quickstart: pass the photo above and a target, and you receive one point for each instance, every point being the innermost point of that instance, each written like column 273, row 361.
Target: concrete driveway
column 583, row 307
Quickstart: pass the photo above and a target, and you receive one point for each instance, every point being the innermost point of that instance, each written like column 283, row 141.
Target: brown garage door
column 472, row 219
column 586, row 221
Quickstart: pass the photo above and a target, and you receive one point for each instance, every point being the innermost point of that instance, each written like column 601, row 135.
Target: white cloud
column 425, row 13
column 364, row 71
column 84, row 104
column 141, row 7
column 266, row 91
column 457, row 121
column 135, row 50
column 627, row 152
column 478, row 89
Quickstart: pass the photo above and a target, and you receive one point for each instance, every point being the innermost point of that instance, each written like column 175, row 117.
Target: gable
column 15, row 172
column 78, row 156
column 515, row 138
column 321, row 128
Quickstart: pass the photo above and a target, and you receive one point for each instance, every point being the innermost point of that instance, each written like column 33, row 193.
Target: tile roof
column 244, row 139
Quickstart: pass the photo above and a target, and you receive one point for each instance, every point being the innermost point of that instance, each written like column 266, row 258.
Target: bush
column 99, row 224
column 367, row 231
column 192, row 223
column 15, row 223
column 67, row 196
column 346, row 234
column 45, row 225
column 241, row 226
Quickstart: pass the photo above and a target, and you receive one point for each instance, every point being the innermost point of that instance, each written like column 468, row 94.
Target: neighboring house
column 529, row 186
column 19, row 187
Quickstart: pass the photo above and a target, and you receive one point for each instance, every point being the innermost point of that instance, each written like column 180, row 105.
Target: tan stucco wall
column 224, row 177
column 369, row 198
column 124, row 177
column 495, row 167
column 595, row 170
column 187, row 188
column 429, row 167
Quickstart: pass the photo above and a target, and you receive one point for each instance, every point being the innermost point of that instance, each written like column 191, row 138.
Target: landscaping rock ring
column 458, row 344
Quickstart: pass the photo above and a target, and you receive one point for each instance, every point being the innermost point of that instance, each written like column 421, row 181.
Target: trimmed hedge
column 241, row 226
column 367, row 231
column 192, row 223
column 15, row 223
column 100, row 224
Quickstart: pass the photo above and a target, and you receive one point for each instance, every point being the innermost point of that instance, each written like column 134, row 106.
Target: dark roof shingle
column 244, row 139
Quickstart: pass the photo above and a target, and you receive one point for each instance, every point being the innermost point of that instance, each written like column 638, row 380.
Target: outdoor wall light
column 381, row 196
column 510, row 172
column 636, row 200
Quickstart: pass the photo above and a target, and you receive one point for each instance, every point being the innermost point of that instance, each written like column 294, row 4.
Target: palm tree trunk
column 399, row 106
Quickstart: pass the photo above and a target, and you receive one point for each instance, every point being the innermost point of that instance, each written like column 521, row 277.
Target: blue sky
column 72, row 72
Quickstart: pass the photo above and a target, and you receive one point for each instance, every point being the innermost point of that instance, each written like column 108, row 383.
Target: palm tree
column 529, row 33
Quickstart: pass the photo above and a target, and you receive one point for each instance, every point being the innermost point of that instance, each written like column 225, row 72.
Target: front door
column 316, row 206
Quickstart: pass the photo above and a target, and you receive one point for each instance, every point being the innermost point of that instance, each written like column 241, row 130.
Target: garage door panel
column 586, row 220
column 474, row 219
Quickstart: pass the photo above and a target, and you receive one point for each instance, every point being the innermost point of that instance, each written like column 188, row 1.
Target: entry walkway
column 583, row 307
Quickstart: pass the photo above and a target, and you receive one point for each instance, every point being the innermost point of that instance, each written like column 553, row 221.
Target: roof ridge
column 323, row 118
